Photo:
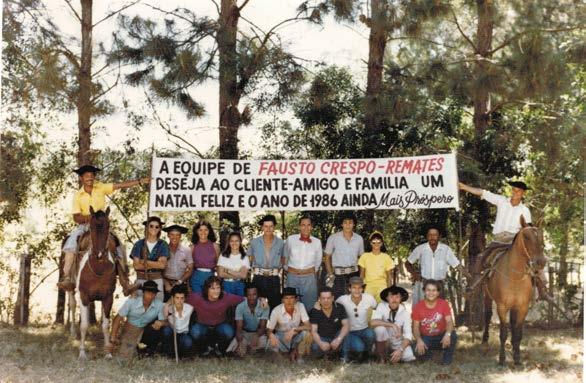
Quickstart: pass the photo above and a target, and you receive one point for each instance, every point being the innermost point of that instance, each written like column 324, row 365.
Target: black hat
column 179, row 289
column 519, row 184
column 153, row 218
column 87, row 168
column 178, row 228
column 290, row 291
column 268, row 218
column 394, row 290
column 150, row 286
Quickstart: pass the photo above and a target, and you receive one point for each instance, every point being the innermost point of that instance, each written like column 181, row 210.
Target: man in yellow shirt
column 92, row 193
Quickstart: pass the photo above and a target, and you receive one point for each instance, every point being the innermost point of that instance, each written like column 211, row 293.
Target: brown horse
column 96, row 278
column 510, row 286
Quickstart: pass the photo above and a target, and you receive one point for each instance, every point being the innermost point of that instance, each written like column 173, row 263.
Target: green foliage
column 19, row 149
column 186, row 53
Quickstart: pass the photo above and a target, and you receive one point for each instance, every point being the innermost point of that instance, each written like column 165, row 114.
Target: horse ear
column 522, row 219
column 92, row 212
column 108, row 211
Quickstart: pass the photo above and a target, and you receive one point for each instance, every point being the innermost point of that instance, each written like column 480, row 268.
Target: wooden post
column 550, row 305
column 21, row 309
column 59, row 314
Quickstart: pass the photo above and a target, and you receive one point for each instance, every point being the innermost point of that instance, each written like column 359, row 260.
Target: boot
column 66, row 283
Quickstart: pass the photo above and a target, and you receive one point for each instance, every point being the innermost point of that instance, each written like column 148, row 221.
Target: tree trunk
column 377, row 42
column 84, row 77
column 481, row 120
column 229, row 97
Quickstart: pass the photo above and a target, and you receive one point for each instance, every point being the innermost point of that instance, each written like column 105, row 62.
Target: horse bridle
column 530, row 260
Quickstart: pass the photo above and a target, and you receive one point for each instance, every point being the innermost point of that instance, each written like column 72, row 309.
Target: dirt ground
column 48, row 354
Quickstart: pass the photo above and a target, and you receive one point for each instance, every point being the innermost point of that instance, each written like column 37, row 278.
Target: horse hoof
column 108, row 356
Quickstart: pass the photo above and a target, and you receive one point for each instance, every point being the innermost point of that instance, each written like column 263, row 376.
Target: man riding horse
column 506, row 226
column 93, row 194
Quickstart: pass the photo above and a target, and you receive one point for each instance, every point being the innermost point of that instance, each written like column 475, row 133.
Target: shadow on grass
column 49, row 354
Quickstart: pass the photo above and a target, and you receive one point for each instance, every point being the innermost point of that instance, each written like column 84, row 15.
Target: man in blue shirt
column 251, row 323
column 144, row 320
column 267, row 260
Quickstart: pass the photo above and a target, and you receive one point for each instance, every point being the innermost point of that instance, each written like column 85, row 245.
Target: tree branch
column 169, row 13
column 217, row 5
column 521, row 34
column 243, row 5
column 462, row 32
column 115, row 12
column 73, row 10
column 167, row 129
column 95, row 98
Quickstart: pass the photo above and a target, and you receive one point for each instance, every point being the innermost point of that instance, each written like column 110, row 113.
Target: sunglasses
column 376, row 242
column 154, row 226
column 356, row 312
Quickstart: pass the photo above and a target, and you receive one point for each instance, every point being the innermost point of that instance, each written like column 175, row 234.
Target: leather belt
column 265, row 272
column 203, row 269
column 345, row 270
column 152, row 275
column 294, row 271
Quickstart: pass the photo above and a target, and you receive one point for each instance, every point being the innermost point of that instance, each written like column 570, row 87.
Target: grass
column 48, row 354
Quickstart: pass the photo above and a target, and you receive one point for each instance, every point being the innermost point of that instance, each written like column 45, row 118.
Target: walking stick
column 174, row 332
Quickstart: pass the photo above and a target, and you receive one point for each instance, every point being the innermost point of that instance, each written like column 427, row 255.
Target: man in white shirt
column 392, row 325
column 506, row 225
column 434, row 259
column 178, row 314
column 288, row 324
column 341, row 255
column 303, row 257
column 358, row 306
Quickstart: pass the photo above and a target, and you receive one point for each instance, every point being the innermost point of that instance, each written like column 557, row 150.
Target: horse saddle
column 493, row 256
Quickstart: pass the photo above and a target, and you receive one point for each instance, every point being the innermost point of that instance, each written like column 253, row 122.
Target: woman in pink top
column 205, row 254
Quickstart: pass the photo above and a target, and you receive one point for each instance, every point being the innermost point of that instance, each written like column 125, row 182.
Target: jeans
column 316, row 351
column 434, row 343
column 197, row 280
column 359, row 341
column 184, row 342
column 288, row 346
column 234, row 287
column 221, row 335
column 306, row 286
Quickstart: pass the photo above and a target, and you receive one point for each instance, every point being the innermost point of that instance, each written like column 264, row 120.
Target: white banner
column 422, row 182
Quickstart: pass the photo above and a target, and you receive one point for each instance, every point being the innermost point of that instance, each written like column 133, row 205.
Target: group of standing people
column 267, row 297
